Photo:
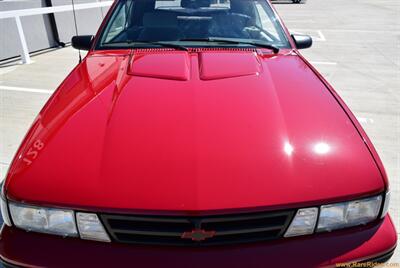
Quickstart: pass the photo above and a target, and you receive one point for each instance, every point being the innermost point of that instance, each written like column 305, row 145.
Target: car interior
column 161, row 20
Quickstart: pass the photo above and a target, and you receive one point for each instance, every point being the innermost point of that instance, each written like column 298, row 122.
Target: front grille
column 177, row 230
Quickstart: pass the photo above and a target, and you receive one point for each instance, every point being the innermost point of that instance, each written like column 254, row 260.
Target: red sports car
column 194, row 134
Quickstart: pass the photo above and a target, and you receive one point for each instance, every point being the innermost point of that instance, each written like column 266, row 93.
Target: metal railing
column 17, row 14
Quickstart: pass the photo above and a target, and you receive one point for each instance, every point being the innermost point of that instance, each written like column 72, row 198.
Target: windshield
column 147, row 23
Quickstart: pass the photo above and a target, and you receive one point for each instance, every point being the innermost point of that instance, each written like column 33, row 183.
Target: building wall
column 88, row 20
column 38, row 29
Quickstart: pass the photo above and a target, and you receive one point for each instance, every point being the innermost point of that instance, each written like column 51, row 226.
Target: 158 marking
column 33, row 152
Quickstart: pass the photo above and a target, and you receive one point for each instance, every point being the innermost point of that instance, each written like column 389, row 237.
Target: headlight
column 44, row 220
column 4, row 208
column 386, row 204
column 347, row 214
column 303, row 223
column 90, row 227
column 339, row 215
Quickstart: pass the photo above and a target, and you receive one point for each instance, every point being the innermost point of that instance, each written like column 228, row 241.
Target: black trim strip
column 379, row 260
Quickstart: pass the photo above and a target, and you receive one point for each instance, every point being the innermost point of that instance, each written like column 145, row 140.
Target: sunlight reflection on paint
column 322, row 148
column 288, row 148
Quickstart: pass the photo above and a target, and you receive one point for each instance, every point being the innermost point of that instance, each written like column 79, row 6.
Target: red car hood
column 188, row 132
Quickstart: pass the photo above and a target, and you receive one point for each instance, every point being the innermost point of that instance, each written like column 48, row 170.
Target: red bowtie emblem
column 198, row 235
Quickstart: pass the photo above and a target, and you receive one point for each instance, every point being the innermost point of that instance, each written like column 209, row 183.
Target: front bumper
column 373, row 243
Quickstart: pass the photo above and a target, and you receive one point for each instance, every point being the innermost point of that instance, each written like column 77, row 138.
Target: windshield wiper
column 234, row 41
column 158, row 43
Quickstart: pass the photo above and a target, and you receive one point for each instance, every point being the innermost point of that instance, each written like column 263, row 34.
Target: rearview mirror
column 82, row 42
column 302, row 41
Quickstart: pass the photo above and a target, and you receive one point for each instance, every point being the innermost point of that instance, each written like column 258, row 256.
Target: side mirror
column 82, row 42
column 302, row 41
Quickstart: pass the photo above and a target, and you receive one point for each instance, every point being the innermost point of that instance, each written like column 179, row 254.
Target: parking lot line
column 24, row 89
column 299, row 21
column 354, row 31
column 316, row 35
column 365, row 120
column 323, row 62
column 321, row 36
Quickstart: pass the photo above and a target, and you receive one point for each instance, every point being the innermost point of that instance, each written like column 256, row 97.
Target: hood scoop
column 212, row 64
column 228, row 64
column 171, row 65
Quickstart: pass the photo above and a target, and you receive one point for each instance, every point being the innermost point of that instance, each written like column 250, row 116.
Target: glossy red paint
column 322, row 250
column 354, row 120
column 192, row 137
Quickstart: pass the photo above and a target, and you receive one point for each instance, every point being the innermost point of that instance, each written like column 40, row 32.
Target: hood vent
column 213, row 63
column 165, row 65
